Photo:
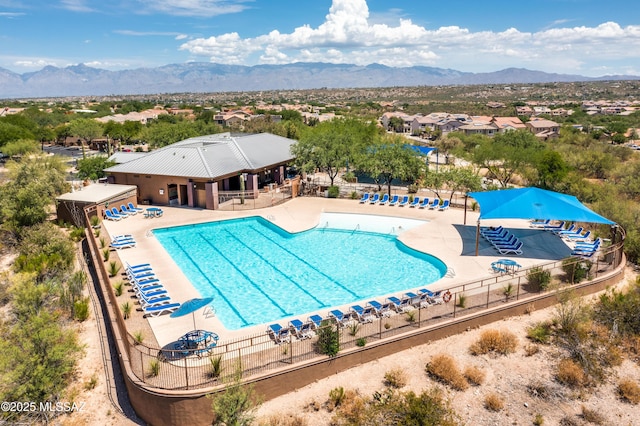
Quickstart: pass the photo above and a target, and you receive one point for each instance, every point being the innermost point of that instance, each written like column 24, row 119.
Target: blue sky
column 587, row 37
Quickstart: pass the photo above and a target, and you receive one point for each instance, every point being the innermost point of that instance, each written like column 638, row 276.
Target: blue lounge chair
column 134, row 208
column 444, row 206
column 112, row 216
column 539, row 223
column 434, row 298
column 404, row 202
column 278, row 334
column 158, row 309
column 415, row 202
column 514, row 249
column 489, row 231
column 302, row 330
column 394, row 200
column 139, row 275
column 363, row 315
column 122, row 237
column 578, row 236
column 316, row 321
column 339, row 317
column 558, row 227
column 505, row 242
column 374, row 199
column 400, row 305
column 365, row 198
column 137, row 266
column 124, row 208
column 570, row 231
column 380, row 309
column 123, row 244
column 149, row 301
column 434, row 204
column 116, row 212
column 424, row 204
column 384, row 200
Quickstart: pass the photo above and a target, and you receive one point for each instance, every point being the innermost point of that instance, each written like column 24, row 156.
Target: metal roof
column 97, row 193
column 212, row 156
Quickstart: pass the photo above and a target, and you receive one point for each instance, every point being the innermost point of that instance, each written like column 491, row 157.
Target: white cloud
column 348, row 35
column 202, row 8
column 11, row 14
column 34, row 63
column 76, row 5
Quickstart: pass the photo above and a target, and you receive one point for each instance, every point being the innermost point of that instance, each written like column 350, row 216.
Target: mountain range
column 202, row 77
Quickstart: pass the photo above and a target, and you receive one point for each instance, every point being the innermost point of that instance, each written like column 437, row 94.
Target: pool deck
column 444, row 235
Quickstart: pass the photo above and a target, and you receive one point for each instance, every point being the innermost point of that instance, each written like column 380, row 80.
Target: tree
column 93, row 167
column 31, row 187
column 551, row 169
column 20, row 147
column 86, row 129
column 391, row 158
column 45, row 250
column 332, row 145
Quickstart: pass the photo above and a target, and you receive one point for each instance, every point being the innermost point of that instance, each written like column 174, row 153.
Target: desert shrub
column 334, row 191
column 538, row 389
column 354, row 195
column 283, row 419
column 620, row 311
column 234, row 405
column 354, row 328
column 81, row 309
column 592, row 416
column 495, row 341
column 570, row 373
column 444, row 369
column 114, row 268
column 538, row 278
column 538, row 420
column 340, row 397
column 629, row 391
column 215, row 366
column 474, row 375
column 531, row 349
column 395, row 378
column 361, row 341
column 126, row 310
column 493, row 402
column 91, row 383
column 118, row 287
column 576, row 271
column 568, row 421
column 154, row 367
column 328, row 342
column 540, row 332
column 462, row 301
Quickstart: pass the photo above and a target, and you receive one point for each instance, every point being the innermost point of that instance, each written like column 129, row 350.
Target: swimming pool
column 258, row 273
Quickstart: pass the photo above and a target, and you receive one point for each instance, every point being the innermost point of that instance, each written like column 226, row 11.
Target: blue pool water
column 258, row 273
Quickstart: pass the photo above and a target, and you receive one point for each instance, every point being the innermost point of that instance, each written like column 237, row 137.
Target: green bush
column 235, row 405
column 538, row 278
column 81, row 309
column 334, row 191
column 576, row 270
column 328, row 342
column 541, row 332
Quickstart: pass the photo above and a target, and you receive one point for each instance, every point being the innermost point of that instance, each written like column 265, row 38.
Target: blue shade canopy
column 191, row 306
column 425, row 150
column 534, row 203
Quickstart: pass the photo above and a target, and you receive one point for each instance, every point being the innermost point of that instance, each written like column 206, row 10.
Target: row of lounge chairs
column 122, row 241
column 396, row 200
column 502, row 240
column 153, row 298
column 356, row 313
column 124, row 212
column 577, row 236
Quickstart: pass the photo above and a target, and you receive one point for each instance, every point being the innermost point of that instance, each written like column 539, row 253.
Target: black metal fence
column 169, row 368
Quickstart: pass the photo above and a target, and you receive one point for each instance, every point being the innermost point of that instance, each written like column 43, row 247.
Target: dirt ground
column 508, row 376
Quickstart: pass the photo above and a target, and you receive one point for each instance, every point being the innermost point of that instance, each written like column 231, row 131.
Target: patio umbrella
column 190, row 307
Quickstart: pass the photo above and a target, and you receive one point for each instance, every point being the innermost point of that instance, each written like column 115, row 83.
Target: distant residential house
column 231, row 119
column 143, row 116
column 505, row 124
column 524, row 110
column 407, row 119
column 194, row 171
column 543, row 129
column 479, row 128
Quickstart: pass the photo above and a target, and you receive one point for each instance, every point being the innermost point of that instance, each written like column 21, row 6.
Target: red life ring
column 446, row 296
